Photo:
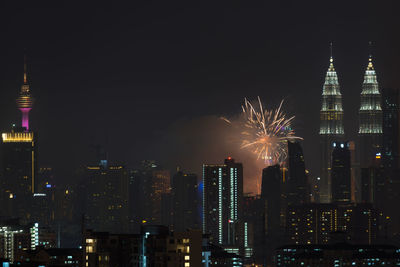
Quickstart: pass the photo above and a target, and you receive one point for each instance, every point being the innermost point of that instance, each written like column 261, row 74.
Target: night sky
column 149, row 81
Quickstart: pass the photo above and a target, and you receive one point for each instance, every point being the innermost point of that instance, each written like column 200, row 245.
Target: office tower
column 373, row 186
column 159, row 197
column 222, row 202
column 341, row 173
column 370, row 115
column 271, row 196
column 331, row 127
column 19, row 174
column 107, row 197
column 296, row 184
column 355, row 174
column 185, row 202
column 150, row 188
column 390, row 128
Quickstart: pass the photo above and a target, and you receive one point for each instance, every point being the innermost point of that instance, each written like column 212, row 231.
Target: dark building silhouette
column 373, row 186
column 185, row 201
column 341, row 172
column 296, row 184
column 149, row 197
column 331, row 128
column 107, row 197
column 272, row 211
column 390, row 128
column 222, row 203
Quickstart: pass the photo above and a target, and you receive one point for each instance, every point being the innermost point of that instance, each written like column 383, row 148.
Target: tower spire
column 370, row 65
column 25, row 79
column 331, row 68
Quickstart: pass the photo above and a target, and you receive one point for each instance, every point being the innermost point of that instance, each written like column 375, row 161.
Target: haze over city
column 150, row 99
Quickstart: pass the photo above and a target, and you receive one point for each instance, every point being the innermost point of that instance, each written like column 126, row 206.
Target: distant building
column 150, row 188
column 19, row 172
column 222, row 203
column 107, row 197
column 185, row 202
column 297, row 185
column 390, row 128
column 341, row 172
column 273, row 209
column 271, row 192
column 161, row 187
column 15, row 238
column 19, row 148
column 370, row 113
column 331, row 128
column 253, row 226
column 341, row 254
column 154, row 246
column 315, row 223
column 71, row 257
column 373, row 186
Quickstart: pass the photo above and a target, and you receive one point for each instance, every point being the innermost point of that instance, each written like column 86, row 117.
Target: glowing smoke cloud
column 265, row 133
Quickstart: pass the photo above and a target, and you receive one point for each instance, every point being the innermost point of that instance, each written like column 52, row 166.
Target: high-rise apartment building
column 222, row 202
column 331, row 127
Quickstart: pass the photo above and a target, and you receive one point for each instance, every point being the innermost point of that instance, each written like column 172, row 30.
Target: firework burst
column 266, row 133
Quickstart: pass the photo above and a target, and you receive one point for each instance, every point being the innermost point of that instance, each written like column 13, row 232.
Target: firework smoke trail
column 266, row 133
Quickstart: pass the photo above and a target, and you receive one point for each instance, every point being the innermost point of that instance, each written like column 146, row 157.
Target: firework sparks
column 266, row 133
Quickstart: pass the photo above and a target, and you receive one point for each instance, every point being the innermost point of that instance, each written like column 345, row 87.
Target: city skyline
column 68, row 94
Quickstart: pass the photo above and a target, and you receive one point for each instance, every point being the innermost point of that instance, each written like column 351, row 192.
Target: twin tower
column 332, row 129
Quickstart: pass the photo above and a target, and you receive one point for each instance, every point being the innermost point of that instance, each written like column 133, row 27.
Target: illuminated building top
column 25, row 99
column 14, row 137
column 331, row 114
column 370, row 108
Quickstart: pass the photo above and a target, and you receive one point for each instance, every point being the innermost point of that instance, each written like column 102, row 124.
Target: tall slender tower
column 370, row 127
column 25, row 100
column 331, row 127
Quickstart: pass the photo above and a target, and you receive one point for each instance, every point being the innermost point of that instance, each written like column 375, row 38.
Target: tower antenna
column 370, row 50
column 25, row 79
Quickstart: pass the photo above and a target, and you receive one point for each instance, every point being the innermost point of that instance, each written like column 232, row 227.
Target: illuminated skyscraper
column 222, row 202
column 18, row 182
column 331, row 127
column 370, row 127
